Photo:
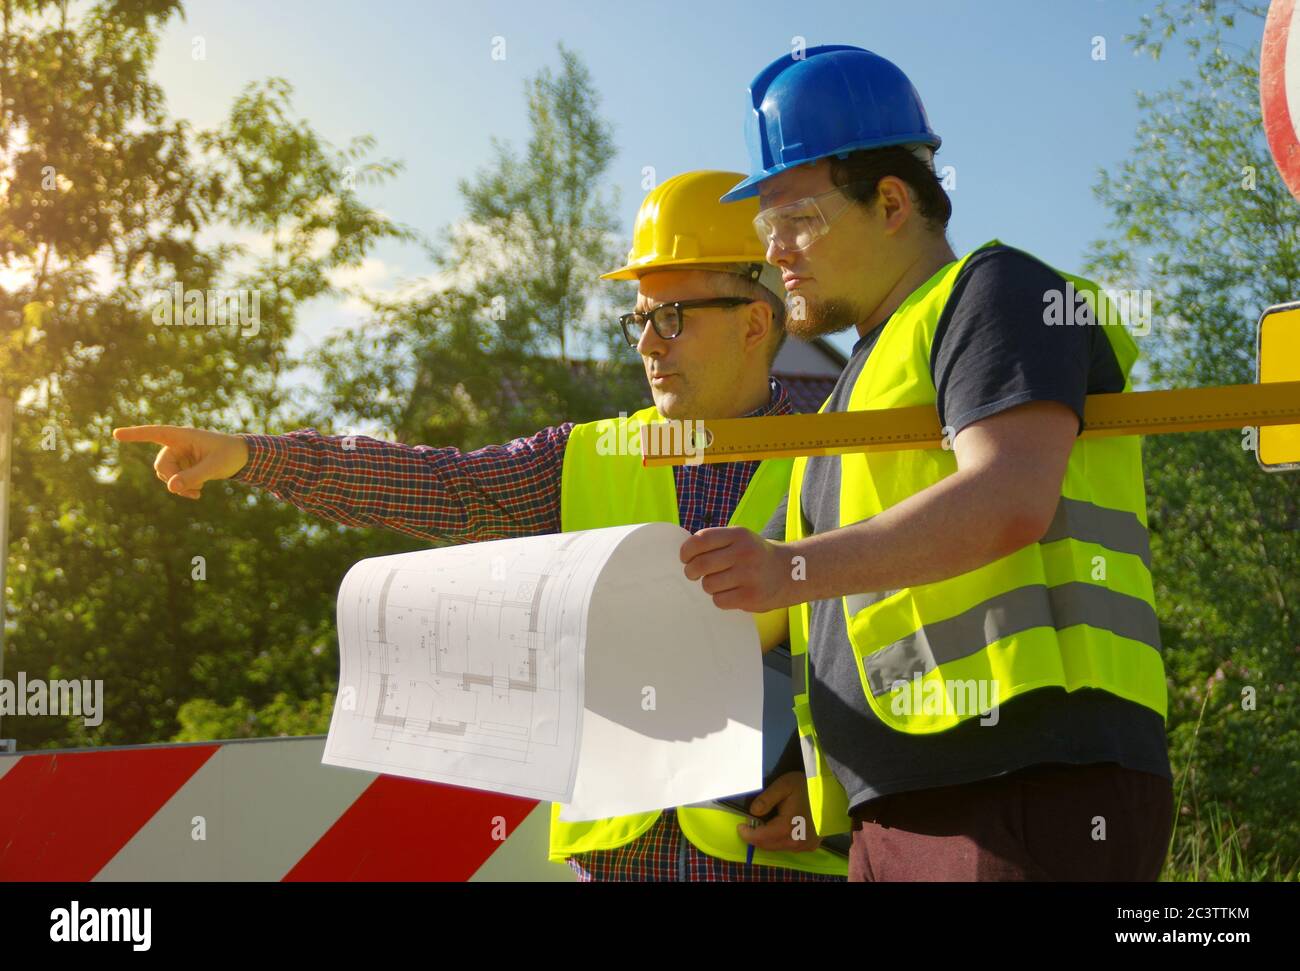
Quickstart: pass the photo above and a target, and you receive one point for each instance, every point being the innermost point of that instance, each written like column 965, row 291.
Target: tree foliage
column 1202, row 219
column 518, row 330
column 105, row 203
column 216, row 619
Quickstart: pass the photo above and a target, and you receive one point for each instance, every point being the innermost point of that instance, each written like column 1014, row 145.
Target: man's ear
column 894, row 202
column 758, row 325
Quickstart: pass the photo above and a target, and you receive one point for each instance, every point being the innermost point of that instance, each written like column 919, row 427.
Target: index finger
column 773, row 795
column 158, row 434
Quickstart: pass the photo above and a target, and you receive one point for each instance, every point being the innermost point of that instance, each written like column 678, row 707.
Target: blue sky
column 1026, row 113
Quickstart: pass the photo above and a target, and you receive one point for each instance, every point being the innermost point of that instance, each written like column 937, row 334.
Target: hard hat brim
column 749, row 187
column 770, row 279
column 746, row 189
column 634, row 271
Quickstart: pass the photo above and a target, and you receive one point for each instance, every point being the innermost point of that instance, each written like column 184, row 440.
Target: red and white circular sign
column 1279, row 89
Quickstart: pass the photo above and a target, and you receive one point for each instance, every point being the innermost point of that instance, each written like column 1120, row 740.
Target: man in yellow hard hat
column 708, row 322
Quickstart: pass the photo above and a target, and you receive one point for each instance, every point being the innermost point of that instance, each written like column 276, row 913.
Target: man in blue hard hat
column 983, row 695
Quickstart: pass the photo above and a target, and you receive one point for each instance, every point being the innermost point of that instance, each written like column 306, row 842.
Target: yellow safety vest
column 604, row 484
column 1074, row 610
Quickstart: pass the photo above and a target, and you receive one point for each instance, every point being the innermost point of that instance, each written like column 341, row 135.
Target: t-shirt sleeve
column 775, row 528
column 994, row 348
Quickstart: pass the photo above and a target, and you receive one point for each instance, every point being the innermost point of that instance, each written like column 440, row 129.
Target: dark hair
column 868, row 167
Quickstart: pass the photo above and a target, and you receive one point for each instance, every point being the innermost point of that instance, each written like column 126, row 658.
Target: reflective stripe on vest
column 604, row 484
column 1074, row 610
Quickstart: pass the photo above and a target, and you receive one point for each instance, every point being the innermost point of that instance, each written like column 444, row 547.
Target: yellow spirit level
column 1272, row 405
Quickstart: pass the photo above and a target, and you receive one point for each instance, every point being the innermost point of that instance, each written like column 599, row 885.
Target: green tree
column 489, row 352
column 483, row 356
column 105, row 204
column 1204, row 221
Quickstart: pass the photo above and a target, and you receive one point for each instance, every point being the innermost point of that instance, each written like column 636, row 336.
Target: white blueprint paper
column 581, row 668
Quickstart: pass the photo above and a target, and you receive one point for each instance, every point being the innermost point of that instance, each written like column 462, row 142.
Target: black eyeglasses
column 666, row 318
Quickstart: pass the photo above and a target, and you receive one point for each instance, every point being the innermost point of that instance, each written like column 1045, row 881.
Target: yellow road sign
column 1273, row 405
column 1278, row 361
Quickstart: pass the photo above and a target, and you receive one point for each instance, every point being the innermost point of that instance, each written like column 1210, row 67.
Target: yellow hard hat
column 681, row 224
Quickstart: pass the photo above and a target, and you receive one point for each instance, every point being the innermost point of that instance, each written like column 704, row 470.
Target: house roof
column 808, row 369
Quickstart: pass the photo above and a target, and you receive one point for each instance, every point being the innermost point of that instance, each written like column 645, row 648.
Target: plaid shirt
column 445, row 495
column 663, row 854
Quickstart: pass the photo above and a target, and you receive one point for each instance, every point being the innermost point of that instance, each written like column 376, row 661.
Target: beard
column 821, row 317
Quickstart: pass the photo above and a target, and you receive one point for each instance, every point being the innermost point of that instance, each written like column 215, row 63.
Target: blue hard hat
column 834, row 100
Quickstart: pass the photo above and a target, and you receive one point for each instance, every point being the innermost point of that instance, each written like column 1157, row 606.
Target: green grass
column 1211, row 846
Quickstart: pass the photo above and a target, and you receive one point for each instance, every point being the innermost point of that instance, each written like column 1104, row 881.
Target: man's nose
column 650, row 343
column 777, row 255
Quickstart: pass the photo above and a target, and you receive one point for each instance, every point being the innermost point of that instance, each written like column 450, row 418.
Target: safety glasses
column 667, row 318
column 797, row 225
